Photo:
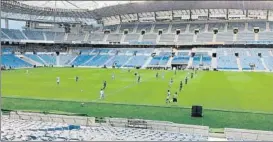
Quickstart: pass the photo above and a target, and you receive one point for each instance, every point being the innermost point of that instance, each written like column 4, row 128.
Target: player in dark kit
column 186, row 80
column 175, row 97
column 192, row 75
column 77, row 78
column 156, row 75
column 168, row 97
column 138, row 78
column 195, row 70
column 181, row 86
column 104, row 84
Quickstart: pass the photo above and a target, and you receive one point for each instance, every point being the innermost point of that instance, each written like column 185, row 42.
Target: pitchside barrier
column 158, row 125
column 75, row 120
column 248, row 135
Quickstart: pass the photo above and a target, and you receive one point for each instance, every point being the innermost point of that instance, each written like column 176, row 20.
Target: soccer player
column 186, row 80
column 181, row 86
column 77, row 78
column 168, row 97
column 156, row 75
column 195, row 70
column 171, row 81
column 58, row 80
column 163, row 76
column 138, row 79
column 113, row 76
column 192, row 75
column 175, row 97
column 101, row 94
column 104, row 84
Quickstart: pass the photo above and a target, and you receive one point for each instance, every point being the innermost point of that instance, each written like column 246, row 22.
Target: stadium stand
column 137, row 61
column 65, row 59
column 81, row 59
column 75, row 37
column 219, row 26
column 49, row 59
column 265, row 36
column 34, row 35
column 118, row 60
column 233, row 134
column 98, row 60
column 224, row 36
column 167, row 38
column 204, row 37
column 245, row 36
column 257, row 24
column 96, row 37
column 181, row 59
column 10, row 60
column 159, row 60
column 40, row 127
column 35, row 58
column 14, row 34
column 179, row 26
column 145, row 27
column 163, row 27
column 129, row 27
column 150, row 37
column 59, row 36
column 114, row 38
column 112, row 28
column 194, row 26
column 185, row 38
column 131, row 37
column 236, row 25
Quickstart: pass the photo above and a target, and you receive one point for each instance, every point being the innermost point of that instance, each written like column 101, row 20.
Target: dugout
column 179, row 66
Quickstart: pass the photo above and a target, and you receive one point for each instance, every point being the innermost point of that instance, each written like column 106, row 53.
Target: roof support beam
column 208, row 15
column 267, row 14
column 190, row 15
column 137, row 16
column 172, row 15
column 120, row 21
column 227, row 14
column 246, row 13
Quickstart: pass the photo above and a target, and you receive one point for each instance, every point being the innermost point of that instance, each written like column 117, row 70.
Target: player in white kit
column 58, row 80
column 113, row 76
column 101, row 94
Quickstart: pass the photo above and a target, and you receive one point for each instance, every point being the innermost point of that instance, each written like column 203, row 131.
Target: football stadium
column 136, row 70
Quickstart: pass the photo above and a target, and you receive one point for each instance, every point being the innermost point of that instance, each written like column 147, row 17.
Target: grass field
column 227, row 91
column 217, row 90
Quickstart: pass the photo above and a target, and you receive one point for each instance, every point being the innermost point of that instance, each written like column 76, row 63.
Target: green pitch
column 241, row 91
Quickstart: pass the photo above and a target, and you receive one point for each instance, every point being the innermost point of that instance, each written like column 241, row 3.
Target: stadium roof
column 100, row 9
column 90, row 5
